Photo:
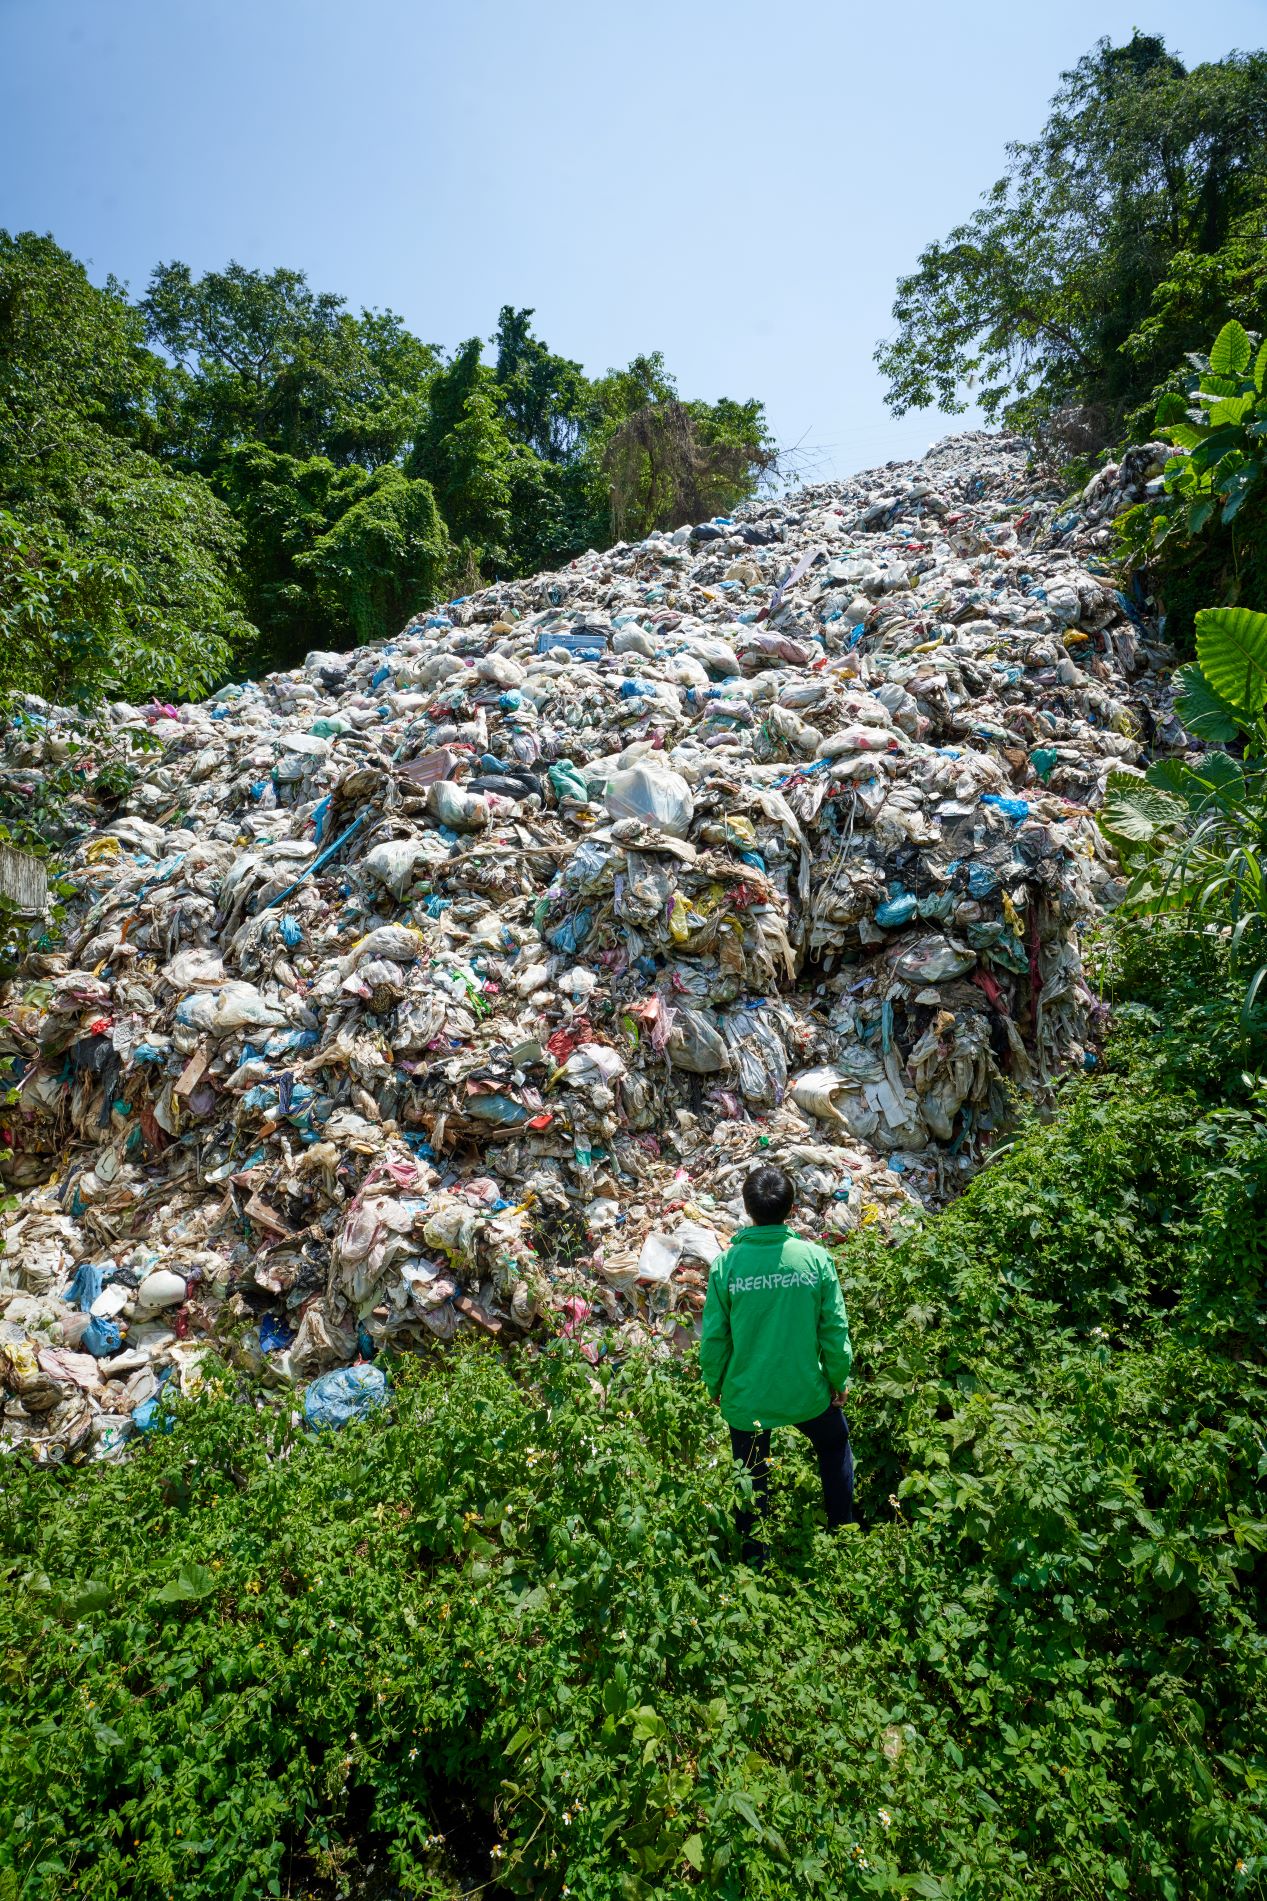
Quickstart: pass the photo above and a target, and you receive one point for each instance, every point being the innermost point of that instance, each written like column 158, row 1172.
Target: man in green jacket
column 775, row 1349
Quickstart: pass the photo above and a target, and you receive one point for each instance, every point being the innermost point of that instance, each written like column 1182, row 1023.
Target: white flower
column 886, row 1820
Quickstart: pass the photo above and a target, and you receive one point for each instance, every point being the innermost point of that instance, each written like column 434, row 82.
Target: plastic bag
column 818, row 1092
column 567, row 783
column 935, row 960
column 234, row 1006
column 654, row 793
column 695, row 1044
column 350, row 1392
column 448, row 805
column 393, row 863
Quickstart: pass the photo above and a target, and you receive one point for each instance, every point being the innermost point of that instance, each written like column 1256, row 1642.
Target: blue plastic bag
column 101, row 1338
column 1015, row 809
column 350, row 1392
column 899, row 910
column 85, row 1287
column 156, row 1411
column 571, row 933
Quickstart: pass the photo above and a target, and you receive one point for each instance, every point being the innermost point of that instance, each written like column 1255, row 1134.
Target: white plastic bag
column 654, row 793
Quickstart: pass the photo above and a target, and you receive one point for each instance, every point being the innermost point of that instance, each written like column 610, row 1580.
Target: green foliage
column 287, row 474
column 116, row 574
column 545, row 399
column 1193, row 836
column 664, row 462
column 384, row 554
column 1207, row 535
column 1109, row 246
column 331, row 552
column 261, row 357
column 499, row 1635
column 1219, row 433
column 466, row 453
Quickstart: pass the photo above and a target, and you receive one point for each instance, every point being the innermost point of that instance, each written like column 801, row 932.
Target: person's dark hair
column 768, row 1195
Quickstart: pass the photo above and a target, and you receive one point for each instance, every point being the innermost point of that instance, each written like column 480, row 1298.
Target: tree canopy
column 116, row 572
column 237, row 467
column 1135, row 222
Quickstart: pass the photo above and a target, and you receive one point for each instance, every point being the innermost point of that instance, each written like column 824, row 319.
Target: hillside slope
column 455, row 983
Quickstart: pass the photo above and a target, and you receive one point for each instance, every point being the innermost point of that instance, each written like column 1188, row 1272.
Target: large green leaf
column 1260, row 368
column 1232, row 654
column 1213, row 447
column 1236, row 487
column 1186, row 435
column 1233, row 409
column 1172, row 408
column 1231, row 349
column 193, row 1581
column 1217, row 781
column 1210, row 787
column 1203, row 711
column 1214, row 388
column 1136, row 813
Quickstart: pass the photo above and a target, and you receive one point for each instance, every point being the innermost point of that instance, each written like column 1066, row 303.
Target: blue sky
column 736, row 184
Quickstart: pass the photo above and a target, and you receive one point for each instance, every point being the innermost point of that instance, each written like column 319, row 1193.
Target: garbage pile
column 458, row 982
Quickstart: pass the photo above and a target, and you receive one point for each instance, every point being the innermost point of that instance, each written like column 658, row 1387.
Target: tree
column 667, row 462
column 1045, row 297
column 261, row 357
column 384, row 557
column 332, row 553
column 118, row 575
column 544, row 398
column 464, row 451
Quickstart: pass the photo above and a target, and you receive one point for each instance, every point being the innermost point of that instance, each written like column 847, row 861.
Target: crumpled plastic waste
column 457, row 983
column 351, row 1392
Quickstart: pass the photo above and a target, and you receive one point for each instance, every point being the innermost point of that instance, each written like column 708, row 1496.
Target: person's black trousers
column 829, row 1436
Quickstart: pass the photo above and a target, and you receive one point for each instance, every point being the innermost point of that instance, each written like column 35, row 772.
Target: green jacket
column 775, row 1340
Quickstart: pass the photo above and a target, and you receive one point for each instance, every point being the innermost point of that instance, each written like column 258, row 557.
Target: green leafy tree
column 1044, row 298
column 261, row 357
column 465, row 451
column 668, row 462
column 118, row 574
column 545, row 399
column 332, row 551
column 385, row 556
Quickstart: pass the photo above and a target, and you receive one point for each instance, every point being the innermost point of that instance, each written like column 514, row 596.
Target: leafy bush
column 1207, row 535
column 251, row 1662
column 1194, row 835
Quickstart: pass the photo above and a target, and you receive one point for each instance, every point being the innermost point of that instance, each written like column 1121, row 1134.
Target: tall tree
column 331, row 554
column 1045, row 296
column 464, row 450
column 544, row 398
column 117, row 574
column 261, row 357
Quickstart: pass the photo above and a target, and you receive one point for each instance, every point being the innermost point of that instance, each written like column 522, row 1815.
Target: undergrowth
column 496, row 1640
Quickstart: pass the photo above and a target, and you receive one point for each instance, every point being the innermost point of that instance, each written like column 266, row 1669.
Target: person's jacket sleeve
column 715, row 1344
column 833, row 1329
